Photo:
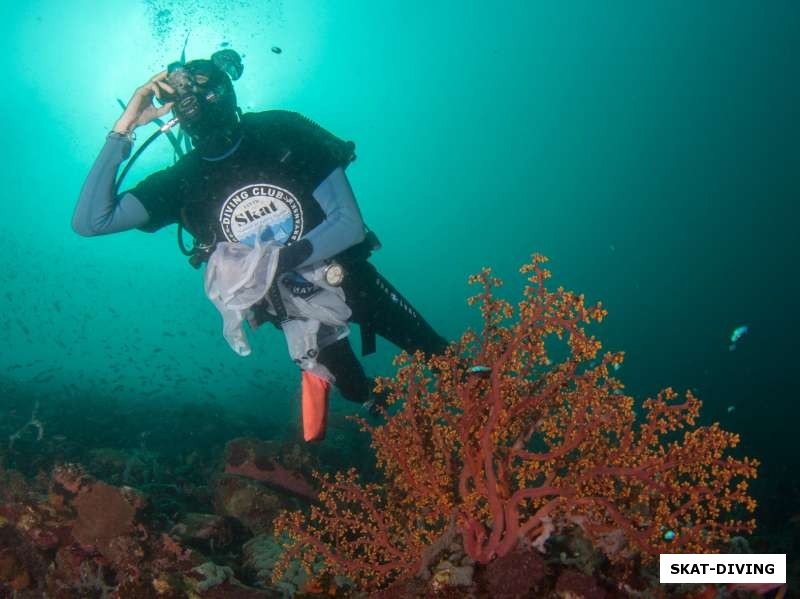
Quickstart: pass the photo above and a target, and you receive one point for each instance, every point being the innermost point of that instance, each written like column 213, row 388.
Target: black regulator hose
column 122, row 175
column 131, row 162
column 176, row 144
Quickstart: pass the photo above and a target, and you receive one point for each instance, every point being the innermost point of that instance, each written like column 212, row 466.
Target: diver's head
column 205, row 104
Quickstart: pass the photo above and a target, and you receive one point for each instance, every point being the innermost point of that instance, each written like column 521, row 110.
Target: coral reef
column 517, row 434
column 93, row 536
column 71, row 535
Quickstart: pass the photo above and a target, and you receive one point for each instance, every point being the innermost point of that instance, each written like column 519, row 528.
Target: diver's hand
column 140, row 109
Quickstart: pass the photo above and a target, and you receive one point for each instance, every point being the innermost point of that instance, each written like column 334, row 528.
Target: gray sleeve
column 342, row 227
column 98, row 212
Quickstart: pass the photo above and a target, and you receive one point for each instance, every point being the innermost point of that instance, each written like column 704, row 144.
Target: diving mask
column 204, row 103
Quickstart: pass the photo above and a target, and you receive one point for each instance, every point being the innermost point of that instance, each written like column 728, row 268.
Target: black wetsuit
column 283, row 180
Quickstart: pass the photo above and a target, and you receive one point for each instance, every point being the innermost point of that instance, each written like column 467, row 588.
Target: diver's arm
column 98, row 212
column 342, row 226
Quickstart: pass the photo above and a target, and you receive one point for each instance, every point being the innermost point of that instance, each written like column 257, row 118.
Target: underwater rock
column 69, row 478
column 256, row 459
column 78, row 574
column 414, row 588
column 576, row 551
column 445, row 564
column 13, row 572
column 106, row 458
column 12, row 485
column 232, row 590
column 249, row 502
column 207, row 531
column 514, row 575
column 575, row 585
column 212, row 581
column 208, row 575
column 297, row 458
column 446, row 574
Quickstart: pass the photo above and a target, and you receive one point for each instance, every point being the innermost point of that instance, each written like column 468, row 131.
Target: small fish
column 276, row 50
column 731, row 409
column 46, row 375
column 669, row 535
column 480, row 371
column 738, row 333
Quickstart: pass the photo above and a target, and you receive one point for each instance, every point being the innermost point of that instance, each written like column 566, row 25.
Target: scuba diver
column 267, row 189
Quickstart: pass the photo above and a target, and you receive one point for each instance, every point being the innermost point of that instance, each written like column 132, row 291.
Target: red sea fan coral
column 523, row 448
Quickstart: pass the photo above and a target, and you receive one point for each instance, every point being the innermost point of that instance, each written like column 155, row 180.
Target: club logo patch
column 263, row 210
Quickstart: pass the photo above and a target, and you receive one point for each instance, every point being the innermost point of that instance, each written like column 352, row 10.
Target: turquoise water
column 650, row 151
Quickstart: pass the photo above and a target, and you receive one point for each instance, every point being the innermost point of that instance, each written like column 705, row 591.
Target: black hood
column 205, row 104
